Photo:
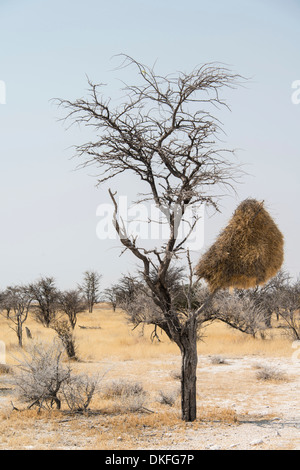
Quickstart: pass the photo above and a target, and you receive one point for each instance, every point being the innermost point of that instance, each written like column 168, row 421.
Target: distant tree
column 66, row 335
column 266, row 297
column 239, row 312
column 110, row 294
column 71, row 303
column 269, row 294
column 19, row 299
column 90, row 288
column 46, row 300
column 5, row 301
column 288, row 299
column 134, row 296
column 236, row 311
column 126, row 288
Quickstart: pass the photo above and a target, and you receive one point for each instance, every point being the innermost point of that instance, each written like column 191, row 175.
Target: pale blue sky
column 47, row 210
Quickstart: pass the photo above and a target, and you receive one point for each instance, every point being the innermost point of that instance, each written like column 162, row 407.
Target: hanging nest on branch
column 247, row 253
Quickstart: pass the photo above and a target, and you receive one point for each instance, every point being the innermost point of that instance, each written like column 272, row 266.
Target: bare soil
column 237, row 411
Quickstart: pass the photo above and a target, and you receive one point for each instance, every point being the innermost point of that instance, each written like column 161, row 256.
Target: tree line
column 251, row 311
column 50, row 306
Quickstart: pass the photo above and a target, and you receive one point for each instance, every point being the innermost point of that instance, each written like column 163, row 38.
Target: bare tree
column 239, row 312
column 166, row 135
column 288, row 299
column 71, row 303
column 110, row 294
column 79, row 390
column 46, row 300
column 90, row 288
column 267, row 297
column 126, row 288
column 5, row 301
column 19, row 299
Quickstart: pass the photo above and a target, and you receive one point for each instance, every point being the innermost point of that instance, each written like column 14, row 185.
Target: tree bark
column 20, row 332
column 188, row 371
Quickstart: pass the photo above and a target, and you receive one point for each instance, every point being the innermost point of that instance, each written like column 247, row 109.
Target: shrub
column 129, row 396
column 44, row 380
column 41, row 376
column 78, row 391
column 168, row 398
column 218, row 360
column 267, row 373
column 118, row 388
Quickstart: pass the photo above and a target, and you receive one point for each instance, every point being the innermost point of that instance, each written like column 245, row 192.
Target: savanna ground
column 236, row 409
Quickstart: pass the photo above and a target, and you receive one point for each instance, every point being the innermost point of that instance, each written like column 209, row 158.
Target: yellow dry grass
column 221, row 339
column 116, row 339
column 126, row 354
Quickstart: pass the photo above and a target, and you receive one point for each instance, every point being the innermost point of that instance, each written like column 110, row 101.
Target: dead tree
column 166, row 135
column 46, row 300
column 5, row 301
column 110, row 294
column 239, row 312
column 289, row 305
column 71, row 303
column 90, row 288
column 19, row 300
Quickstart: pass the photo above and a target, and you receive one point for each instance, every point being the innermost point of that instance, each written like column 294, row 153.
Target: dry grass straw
column 247, row 253
column 270, row 374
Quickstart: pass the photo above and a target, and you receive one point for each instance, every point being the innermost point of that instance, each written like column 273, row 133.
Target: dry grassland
column 236, row 410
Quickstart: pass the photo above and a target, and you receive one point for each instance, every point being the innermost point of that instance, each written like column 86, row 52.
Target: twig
column 13, row 407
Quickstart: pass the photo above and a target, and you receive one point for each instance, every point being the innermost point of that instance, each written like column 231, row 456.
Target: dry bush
column 79, row 390
column 218, row 360
column 118, row 388
column 168, row 397
column 239, row 312
column 127, row 396
column 44, row 380
column 270, row 374
column 41, row 375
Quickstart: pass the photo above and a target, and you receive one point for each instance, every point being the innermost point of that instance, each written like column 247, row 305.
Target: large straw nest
column 247, row 253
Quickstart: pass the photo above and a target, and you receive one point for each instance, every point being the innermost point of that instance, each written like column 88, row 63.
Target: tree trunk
column 188, row 371
column 20, row 332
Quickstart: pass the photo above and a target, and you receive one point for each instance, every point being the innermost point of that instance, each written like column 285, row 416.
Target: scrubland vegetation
column 136, row 396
